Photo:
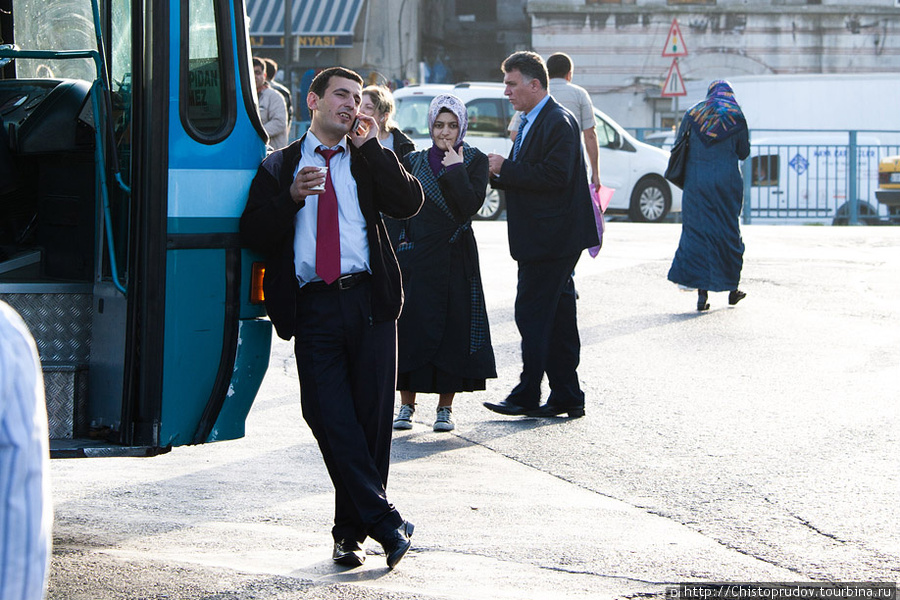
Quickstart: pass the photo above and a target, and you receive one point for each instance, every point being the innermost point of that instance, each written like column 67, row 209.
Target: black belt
column 341, row 283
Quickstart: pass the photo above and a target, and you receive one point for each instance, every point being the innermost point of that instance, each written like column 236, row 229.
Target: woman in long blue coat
column 710, row 253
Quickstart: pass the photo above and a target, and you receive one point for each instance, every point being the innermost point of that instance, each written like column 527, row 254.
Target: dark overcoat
column 710, row 253
column 548, row 197
column 444, row 320
column 267, row 225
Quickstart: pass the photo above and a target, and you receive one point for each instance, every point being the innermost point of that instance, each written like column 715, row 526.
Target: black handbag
column 678, row 159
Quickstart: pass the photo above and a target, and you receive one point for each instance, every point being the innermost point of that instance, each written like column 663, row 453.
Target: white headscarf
column 454, row 105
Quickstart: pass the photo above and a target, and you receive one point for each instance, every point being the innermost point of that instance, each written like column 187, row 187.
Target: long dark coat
column 444, row 320
column 710, row 254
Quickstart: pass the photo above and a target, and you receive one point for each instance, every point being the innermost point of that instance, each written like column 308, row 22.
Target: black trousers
column 347, row 368
column 546, row 319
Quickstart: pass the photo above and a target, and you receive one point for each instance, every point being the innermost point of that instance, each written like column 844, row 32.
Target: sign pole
column 675, row 47
column 288, row 54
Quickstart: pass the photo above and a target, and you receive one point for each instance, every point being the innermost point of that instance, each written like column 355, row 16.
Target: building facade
column 380, row 39
column 618, row 46
column 468, row 39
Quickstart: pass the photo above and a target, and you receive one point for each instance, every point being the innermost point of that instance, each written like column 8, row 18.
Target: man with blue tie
column 333, row 284
column 550, row 221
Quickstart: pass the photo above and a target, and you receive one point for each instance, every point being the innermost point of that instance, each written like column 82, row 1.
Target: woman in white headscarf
column 444, row 342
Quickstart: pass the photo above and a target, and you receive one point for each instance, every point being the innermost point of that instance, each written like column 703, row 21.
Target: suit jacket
column 548, row 198
column 267, row 225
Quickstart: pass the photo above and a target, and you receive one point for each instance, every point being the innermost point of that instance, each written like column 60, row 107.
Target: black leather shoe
column 735, row 296
column 348, row 553
column 396, row 543
column 702, row 298
column 508, row 408
column 550, row 410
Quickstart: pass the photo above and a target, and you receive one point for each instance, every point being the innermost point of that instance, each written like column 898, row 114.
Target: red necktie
column 328, row 235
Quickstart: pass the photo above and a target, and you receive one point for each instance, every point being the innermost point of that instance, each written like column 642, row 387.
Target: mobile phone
column 356, row 127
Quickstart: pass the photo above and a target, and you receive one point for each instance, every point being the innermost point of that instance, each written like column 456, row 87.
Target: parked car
column 634, row 169
column 888, row 192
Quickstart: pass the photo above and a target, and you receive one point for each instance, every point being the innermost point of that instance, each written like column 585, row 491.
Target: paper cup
column 321, row 188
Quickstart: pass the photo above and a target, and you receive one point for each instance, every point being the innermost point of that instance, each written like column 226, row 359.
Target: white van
column 634, row 169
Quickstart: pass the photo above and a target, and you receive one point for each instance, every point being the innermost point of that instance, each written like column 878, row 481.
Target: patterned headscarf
column 454, row 105
column 719, row 115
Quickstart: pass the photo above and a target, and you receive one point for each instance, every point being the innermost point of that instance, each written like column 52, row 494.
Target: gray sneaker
column 444, row 420
column 404, row 416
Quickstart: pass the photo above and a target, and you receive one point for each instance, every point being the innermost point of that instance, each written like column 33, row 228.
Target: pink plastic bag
column 600, row 197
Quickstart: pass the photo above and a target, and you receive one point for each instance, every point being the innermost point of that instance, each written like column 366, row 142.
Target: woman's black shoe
column 735, row 296
column 702, row 298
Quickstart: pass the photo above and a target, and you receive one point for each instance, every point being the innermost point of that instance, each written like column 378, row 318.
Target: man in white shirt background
column 25, row 504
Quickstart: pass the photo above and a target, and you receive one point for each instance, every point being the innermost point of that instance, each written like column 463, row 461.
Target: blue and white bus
column 130, row 135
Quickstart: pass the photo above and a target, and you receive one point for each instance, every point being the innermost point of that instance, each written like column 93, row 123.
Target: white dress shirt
column 352, row 224
column 26, row 513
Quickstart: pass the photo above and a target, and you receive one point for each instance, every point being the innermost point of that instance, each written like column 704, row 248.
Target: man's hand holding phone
column 364, row 128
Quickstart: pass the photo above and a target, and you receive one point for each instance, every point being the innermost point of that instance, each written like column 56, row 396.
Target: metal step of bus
column 66, row 389
column 59, row 317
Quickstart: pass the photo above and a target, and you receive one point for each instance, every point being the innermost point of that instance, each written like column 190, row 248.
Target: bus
column 129, row 135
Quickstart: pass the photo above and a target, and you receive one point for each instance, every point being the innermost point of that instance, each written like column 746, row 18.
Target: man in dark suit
column 333, row 284
column 550, row 221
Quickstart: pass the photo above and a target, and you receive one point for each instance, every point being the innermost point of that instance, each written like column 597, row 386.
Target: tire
column 493, row 207
column 651, row 201
column 868, row 215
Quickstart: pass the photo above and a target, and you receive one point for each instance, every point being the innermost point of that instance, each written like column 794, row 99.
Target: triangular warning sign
column 674, row 85
column 675, row 42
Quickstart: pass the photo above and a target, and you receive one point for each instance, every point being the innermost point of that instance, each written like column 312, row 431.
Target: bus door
column 131, row 158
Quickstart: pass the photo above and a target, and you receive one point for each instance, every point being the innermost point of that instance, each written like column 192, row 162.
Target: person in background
column 272, row 109
column 577, row 101
column 444, row 341
column 25, row 504
column 379, row 103
column 550, row 221
column 333, row 284
column 271, row 72
column 710, row 253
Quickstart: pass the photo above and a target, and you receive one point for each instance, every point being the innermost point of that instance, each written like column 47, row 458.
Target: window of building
column 476, row 10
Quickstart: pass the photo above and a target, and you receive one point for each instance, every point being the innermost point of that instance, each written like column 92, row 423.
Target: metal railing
column 812, row 176
column 816, row 176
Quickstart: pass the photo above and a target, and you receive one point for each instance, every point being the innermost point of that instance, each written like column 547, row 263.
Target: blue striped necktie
column 518, row 143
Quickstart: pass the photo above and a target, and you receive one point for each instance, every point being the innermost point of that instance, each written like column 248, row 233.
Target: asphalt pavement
column 755, row 443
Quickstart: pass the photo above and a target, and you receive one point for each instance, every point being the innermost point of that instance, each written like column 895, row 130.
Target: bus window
column 60, row 25
column 203, row 94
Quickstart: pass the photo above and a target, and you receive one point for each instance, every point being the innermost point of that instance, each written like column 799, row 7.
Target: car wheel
column 650, row 201
column 494, row 203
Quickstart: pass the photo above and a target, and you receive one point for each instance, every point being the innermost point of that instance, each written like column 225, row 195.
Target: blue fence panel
column 815, row 176
column 803, row 176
